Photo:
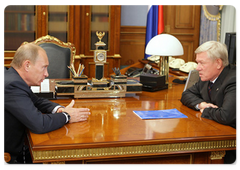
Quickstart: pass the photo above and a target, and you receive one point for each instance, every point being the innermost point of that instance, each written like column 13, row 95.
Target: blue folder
column 159, row 114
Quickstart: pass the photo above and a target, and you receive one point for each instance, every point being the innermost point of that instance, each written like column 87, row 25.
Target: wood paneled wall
column 132, row 44
column 181, row 21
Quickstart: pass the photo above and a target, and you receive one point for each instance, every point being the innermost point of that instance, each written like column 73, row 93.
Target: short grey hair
column 25, row 52
column 214, row 51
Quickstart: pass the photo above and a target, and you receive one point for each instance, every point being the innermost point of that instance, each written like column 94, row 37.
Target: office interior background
column 135, row 14
column 125, row 28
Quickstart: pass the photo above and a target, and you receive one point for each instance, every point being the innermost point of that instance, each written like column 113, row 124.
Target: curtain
column 209, row 26
column 228, row 21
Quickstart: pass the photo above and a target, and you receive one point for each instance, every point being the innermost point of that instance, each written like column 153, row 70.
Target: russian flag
column 155, row 24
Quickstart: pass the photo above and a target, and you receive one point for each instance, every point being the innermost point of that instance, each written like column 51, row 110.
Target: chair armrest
column 7, row 157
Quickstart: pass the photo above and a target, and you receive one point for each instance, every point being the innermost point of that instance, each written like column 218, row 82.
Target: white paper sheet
column 45, row 86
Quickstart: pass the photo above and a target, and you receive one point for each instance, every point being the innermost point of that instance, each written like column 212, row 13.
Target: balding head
column 31, row 62
column 26, row 52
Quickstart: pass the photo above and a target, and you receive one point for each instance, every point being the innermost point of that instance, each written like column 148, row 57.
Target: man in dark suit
column 215, row 92
column 23, row 109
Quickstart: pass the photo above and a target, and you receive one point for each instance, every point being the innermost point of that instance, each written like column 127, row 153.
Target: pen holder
column 83, row 79
column 122, row 79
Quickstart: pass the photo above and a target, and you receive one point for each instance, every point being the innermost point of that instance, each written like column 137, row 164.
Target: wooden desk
column 114, row 134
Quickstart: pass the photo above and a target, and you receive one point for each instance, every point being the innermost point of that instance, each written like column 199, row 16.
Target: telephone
column 177, row 63
column 170, row 59
column 133, row 72
column 188, row 66
column 154, row 58
column 136, row 72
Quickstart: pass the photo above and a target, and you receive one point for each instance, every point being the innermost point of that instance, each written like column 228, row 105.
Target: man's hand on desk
column 77, row 114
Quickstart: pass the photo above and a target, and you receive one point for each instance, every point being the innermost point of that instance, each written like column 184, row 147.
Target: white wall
column 134, row 15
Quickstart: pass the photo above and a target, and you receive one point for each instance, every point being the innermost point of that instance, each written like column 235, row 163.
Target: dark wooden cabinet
column 75, row 24
column 105, row 19
column 20, row 24
column 27, row 23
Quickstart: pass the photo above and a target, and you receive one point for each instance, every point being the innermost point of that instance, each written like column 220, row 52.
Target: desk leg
column 57, row 162
column 217, row 155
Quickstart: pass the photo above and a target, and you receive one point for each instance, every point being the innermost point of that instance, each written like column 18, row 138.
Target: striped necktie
column 210, row 84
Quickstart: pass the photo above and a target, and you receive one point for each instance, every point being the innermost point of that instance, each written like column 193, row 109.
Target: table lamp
column 164, row 45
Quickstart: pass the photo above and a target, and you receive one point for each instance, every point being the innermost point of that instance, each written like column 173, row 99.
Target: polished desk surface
column 112, row 124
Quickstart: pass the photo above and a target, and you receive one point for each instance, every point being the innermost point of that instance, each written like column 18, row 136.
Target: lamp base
column 153, row 82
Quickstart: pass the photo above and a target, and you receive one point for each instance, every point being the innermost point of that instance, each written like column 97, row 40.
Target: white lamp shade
column 164, row 45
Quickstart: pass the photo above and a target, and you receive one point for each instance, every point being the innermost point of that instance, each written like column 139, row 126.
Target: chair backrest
column 193, row 78
column 60, row 55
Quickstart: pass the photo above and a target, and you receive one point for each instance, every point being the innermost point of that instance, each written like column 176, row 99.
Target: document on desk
column 159, row 114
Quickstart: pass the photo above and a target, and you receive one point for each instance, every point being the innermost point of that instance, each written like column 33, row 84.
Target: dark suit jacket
column 23, row 109
column 223, row 94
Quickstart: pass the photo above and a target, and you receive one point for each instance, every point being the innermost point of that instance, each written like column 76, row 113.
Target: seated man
column 23, row 109
column 215, row 92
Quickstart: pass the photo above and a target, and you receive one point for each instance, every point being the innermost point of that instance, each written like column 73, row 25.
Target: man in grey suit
column 23, row 109
column 215, row 92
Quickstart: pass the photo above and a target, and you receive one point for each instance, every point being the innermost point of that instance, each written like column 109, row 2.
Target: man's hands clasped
column 204, row 105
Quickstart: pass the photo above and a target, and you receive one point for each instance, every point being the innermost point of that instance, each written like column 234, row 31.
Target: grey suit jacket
column 23, row 109
column 223, row 94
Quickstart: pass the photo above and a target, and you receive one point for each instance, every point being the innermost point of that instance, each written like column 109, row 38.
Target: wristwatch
column 67, row 116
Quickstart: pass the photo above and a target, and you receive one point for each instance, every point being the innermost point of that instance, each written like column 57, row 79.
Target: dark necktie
column 210, row 84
